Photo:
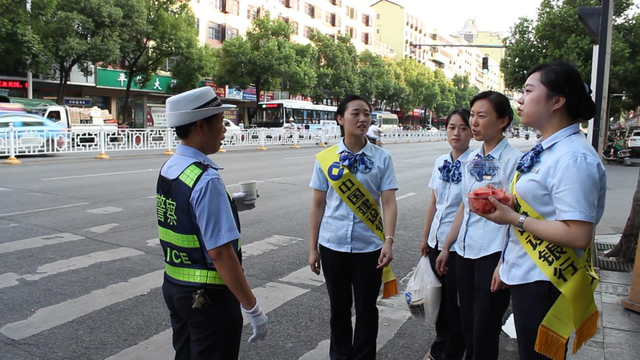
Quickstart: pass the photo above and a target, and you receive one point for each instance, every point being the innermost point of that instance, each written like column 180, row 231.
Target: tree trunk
column 127, row 93
column 257, row 85
column 626, row 248
column 62, row 84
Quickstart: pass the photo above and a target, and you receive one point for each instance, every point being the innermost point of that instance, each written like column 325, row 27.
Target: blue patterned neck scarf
column 529, row 159
column 480, row 169
column 450, row 172
column 356, row 162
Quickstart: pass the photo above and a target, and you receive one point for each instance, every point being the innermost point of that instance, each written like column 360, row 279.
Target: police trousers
column 347, row 274
column 209, row 333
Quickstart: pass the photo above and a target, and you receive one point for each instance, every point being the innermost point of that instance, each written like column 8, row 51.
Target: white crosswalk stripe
column 38, row 242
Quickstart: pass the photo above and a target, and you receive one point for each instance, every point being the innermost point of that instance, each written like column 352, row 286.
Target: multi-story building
column 220, row 20
column 398, row 29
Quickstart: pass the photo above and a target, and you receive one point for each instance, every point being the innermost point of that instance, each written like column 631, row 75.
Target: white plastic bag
column 423, row 292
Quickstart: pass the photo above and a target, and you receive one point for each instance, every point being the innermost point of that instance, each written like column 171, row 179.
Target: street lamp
column 623, row 96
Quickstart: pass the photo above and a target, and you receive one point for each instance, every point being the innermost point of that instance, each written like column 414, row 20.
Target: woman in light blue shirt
column 564, row 181
column 446, row 195
column 478, row 241
column 352, row 255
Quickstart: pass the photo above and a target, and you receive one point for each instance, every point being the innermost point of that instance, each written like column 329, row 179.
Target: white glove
column 238, row 198
column 258, row 321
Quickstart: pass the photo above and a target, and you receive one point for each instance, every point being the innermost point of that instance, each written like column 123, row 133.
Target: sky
column 450, row 15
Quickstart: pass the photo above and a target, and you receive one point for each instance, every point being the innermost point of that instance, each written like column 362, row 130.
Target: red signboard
column 13, row 84
column 220, row 91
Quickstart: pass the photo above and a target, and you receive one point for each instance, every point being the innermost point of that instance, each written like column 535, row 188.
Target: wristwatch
column 393, row 239
column 520, row 224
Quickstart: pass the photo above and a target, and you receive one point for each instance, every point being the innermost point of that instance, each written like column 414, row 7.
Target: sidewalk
column 618, row 335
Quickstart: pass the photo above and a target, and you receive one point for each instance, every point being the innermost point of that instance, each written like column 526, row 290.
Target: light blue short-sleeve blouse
column 341, row 229
column 448, row 197
column 569, row 183
column 479, row 237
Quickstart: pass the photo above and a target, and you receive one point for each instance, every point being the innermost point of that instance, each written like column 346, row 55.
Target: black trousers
column 481, row 310
column 347, row 273
column 212, row 332
column 531, row 302
column 449, row 343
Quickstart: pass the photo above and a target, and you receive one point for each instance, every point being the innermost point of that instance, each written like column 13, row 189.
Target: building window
column 294, row 27
column 352, row 13
column 351, row 32
column 378, row 16
column 307, row 31
column 198, row 24
column 216, row 4
column 232, row 33
column 309, row 10
column 215, row 31
column 252, row 13
column 234, row 8
column 365, row 38
column 366, row 19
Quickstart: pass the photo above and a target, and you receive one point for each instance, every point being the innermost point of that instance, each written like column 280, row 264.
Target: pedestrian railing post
column 103, row 140
column 295, row 139
column 12, row 160
column 262, row 136
column 169, row 135
column 323, row 138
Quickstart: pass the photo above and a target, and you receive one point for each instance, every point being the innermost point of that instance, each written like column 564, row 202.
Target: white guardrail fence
column 16, row 142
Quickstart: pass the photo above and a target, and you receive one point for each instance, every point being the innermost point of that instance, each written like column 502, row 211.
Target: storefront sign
column 231, row 115
column 249, row 94
column 77, row 102
column 156, row 116
column 118, row 79
column 220, row 90
column 233, row 93
column 13, row 84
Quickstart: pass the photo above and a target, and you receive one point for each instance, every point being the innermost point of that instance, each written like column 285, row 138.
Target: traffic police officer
column 204, row 284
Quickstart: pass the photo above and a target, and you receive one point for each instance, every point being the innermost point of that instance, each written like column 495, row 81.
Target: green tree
column 446, row 101
column 419, row 81
column 535, row 41
column 78, row 33
column 301, row 77
column 20, row 44
column 372, row 76
column 336, row 67
column 191, row 66
column 463, row 92
column 394, row 86
column 263, row 58
column 153, row 31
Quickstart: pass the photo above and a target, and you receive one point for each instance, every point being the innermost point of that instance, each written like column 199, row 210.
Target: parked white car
column 633, row 143
column 231, row 127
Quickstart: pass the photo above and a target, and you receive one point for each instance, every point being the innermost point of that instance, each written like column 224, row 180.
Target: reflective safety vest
column 185, row 256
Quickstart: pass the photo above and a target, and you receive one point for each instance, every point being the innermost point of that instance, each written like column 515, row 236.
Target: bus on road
column 305, row 114
column 385, row 120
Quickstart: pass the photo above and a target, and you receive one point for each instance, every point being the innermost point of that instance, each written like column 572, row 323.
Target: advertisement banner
column 233, row 93
column 249, row 94
column 156, row 116
column 231, row 115
column 220, row 90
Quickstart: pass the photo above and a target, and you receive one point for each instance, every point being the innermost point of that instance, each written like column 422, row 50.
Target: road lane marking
column 51, row 316
column 75, row 263
column 257, row 182
column 45, row 209
column 105, row 210
column 153, row 242
column 299, row 157
column 102, row 228
column 3, row 189
column 304, row 276
column 95, row 175
column 392, row 314
column 38, row 242
column 269, row 244
column 271, row 296
column 405, row 196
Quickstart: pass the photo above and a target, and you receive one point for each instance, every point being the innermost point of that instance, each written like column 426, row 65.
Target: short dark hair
column 183, row 131
column 499, row 103
column 463, row 113
column 344, row 103
column 563, row 79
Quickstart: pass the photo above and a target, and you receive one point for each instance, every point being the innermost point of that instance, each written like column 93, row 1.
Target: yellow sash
column 356, row 196
column 576, row 280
